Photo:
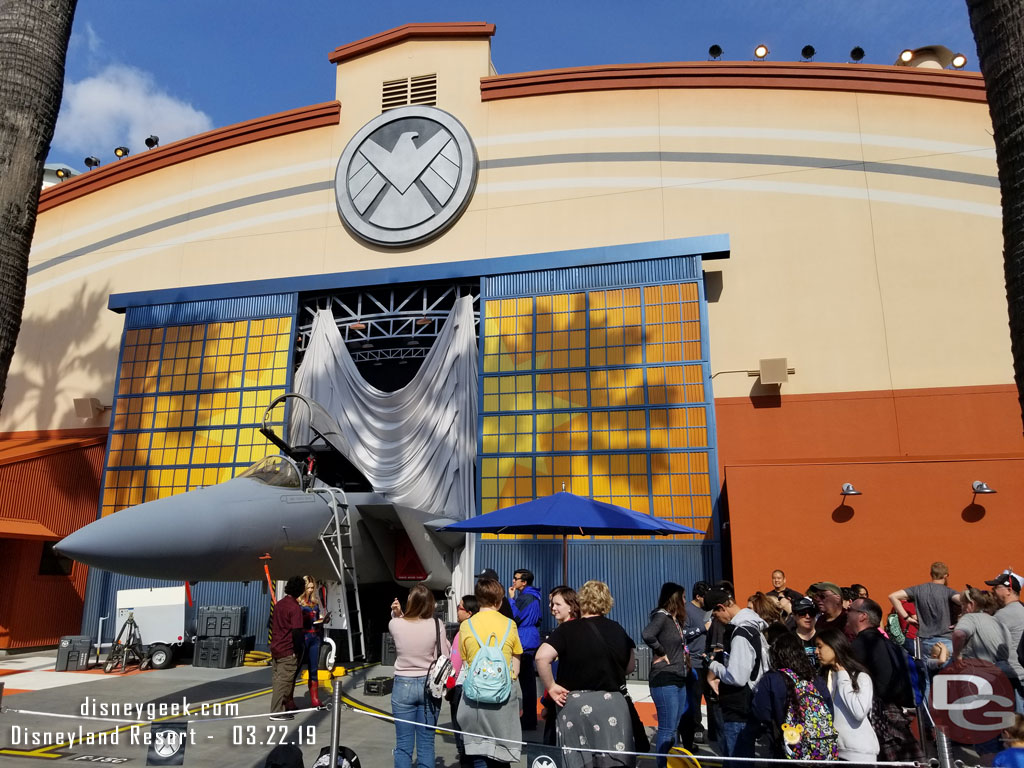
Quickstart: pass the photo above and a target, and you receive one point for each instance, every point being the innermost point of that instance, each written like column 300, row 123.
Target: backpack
column 346, row 758
column 440, row 670
column 809, row 732
column 912, row 671
column 489, row 680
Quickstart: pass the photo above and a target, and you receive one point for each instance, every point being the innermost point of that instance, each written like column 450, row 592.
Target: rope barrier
column 656, row 755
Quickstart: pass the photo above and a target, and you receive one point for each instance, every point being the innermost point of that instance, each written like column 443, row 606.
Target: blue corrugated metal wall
column 633, row 570
column 102, row 586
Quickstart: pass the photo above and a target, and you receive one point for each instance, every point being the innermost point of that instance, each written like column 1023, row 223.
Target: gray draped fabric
column 416, row 446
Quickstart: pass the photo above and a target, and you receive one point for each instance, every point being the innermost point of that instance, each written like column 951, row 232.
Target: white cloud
column 121, row 105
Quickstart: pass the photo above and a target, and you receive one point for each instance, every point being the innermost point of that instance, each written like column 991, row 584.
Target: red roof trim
column 906, row 81
column 451, row 31
column 23, row 449
column 292, row 121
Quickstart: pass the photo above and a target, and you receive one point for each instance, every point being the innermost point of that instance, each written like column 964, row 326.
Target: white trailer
column 164, row 618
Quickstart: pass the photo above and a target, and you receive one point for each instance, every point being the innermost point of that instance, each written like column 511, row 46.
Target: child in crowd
column 1013, row 738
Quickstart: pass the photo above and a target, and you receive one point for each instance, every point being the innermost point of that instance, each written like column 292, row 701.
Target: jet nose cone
column 150, row 539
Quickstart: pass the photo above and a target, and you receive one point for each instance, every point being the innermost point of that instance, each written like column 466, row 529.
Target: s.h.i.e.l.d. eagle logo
column 405, row 176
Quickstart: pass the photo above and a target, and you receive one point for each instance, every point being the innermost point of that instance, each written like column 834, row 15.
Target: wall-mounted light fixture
column 152, row 141
column 807, row 52
column 89, row 407
column 92, row 162
column 122, row 151
column 715, row 52
column 981, row 487
column 761, row 52
column 856, row 53
column 959, row 61
column 849, row 490
column 63, row 174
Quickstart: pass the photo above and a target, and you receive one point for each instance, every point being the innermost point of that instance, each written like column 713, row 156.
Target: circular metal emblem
column 405, row 176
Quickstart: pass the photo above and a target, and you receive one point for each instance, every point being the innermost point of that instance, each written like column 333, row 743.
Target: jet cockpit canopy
column 278, row 471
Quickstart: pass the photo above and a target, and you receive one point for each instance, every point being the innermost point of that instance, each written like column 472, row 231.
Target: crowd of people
column 819, row 675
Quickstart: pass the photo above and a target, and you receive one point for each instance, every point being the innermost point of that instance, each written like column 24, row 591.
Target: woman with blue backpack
column 489, row 712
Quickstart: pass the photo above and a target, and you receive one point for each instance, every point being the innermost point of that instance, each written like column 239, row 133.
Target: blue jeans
column 928, row 642
column 670, row 701
column 410, row 702
column 738, row 739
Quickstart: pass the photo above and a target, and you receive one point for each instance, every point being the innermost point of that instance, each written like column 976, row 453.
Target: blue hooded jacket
column 526, row 610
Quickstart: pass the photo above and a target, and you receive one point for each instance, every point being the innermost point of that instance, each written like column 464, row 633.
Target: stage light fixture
column 715, row 51
column 906, row 55
column 856, row 53
column 63, row 174
column 807, row 52
column 152, row 141
column 980, row 487
column 92, row 162
column 959, row 61
column 849, row 490
column 761, row 51
column 120, row 152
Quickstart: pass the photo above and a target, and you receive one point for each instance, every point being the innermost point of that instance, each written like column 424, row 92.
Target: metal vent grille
column 421, row 89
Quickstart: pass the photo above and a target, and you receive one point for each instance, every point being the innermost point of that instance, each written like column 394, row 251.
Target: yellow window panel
column 507, row 402
column 490, row 403
column 489, row 444
column 492, row 384
column 524, row 443
column 560, row 360
column 490, row 363
column 577, row 358
column 635, row 396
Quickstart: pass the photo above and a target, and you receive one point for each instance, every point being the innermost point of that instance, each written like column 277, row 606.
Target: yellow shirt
column 486, row 623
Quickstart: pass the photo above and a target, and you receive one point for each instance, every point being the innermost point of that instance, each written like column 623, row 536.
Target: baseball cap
column 804, row 605
column 488, row 573
column 1007, row 579
column 826, row 586
column 717, row 596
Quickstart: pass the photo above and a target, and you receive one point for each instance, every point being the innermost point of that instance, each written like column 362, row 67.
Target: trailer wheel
column 160, row 656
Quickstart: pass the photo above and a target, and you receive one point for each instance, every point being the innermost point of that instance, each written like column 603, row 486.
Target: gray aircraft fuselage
column 222, row 533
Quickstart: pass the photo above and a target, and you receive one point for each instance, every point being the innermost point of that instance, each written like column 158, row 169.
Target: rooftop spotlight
column 761, row 51
column 120, row 152
column 63, row 174
column 807, row 52
column 715, row 51
column 979, row 487
column 931, row 57
column 92, row 162
column 152, row 141
column 856, row 53
column 849, row 490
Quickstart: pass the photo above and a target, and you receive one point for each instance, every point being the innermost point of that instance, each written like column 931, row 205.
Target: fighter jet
column 308, row 511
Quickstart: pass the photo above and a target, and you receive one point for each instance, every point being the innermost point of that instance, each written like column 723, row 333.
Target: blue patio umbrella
column 565, row 514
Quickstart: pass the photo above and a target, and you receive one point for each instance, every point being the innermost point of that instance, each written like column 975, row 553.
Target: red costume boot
column 314, row 698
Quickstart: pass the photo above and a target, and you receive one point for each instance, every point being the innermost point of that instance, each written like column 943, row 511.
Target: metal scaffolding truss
column 398, row 322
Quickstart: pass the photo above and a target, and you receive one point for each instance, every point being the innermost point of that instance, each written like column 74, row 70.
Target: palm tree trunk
column 33, row 45
column 998, row 27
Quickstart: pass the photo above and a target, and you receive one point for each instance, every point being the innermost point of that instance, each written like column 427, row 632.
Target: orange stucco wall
column 913, row 454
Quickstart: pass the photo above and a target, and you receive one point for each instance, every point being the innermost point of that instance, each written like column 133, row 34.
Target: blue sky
column 177, row 68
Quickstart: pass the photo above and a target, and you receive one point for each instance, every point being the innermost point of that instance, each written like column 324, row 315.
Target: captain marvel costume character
column 313, row 618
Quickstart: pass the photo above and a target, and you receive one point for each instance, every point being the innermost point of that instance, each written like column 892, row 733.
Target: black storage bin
column 221, row 620
column 378, row 686
column 219, row 652
column 642, row 670
column 73, row 653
